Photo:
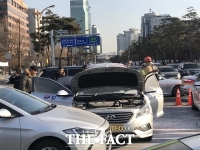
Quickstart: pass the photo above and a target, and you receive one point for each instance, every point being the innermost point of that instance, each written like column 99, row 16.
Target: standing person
column 17, row 79
column 149, row 63
column 84, row 67
column 59, row 74
column 26, row 81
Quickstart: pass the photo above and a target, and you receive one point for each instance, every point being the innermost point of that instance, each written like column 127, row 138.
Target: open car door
column 155, row 94
column 51, row 91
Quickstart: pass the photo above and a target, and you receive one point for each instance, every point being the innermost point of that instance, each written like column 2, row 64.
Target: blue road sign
column 80, row 41
column 68, row 42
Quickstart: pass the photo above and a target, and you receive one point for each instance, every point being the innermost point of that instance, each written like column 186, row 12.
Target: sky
column 115, row 16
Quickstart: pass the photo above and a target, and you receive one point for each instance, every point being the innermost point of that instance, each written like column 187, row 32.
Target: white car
column 29, row 123
column 169, row 86
column 196, row 94
column 119, row 94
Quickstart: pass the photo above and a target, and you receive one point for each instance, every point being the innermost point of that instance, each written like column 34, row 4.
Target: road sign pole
column 52, row 48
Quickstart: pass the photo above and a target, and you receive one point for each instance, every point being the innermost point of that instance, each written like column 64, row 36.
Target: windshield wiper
column 48, row 108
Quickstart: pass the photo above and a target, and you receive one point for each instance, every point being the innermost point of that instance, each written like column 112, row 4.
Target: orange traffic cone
column 178, row 98
column 190, row 98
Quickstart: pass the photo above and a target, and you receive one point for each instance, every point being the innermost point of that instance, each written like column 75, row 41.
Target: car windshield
column 22, row 100
column 167, row 69
column 107, row 90
column 174, row 66
column 188, row 66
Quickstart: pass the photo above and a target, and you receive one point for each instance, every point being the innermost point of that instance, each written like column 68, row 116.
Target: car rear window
column 48, row 73
column 170, row 69
column 188, row 66
column 74, row 71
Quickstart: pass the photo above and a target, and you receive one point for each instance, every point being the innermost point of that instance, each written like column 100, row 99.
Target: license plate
column 120, row 128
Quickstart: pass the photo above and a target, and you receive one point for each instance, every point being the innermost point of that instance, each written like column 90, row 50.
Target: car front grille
column 116, row 118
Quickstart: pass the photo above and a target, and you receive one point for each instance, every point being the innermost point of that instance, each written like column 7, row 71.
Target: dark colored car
column 169, row 72
column 175, row 66
column 187, row 69
column 70, row 71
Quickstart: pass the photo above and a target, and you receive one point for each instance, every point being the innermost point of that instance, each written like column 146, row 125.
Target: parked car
column 70, row 71
column 185, row 143
column 29, row 123
column 169, row 86
column 196, row 94
column 169, row 72
column 175, row 66
column 158, row 64
column 123, row 96
column 187, row 69
column 187, row 83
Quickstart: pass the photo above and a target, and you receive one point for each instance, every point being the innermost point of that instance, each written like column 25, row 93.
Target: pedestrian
column 26, row 80
column 84, row 67
column 17, row 79
column 58, row 74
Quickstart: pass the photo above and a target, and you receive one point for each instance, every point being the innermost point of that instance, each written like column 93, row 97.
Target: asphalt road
column 177, row 121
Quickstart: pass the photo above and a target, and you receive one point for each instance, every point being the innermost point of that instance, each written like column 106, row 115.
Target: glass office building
column 80, row 10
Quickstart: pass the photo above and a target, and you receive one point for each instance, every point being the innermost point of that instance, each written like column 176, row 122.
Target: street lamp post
column 37, row 16
column 18, row 22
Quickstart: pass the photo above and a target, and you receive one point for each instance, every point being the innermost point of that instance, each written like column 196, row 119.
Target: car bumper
column 137, row 126
column 185, row 88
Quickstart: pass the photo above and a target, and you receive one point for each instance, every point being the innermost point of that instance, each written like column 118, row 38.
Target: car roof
column 166, row 67
column 65, row 67
column 101, row 65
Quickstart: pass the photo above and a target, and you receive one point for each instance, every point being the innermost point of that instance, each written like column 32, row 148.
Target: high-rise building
column 96, row 49
column 80, row 10
column 126, row 39
column 33, row 26
column 149, row 21
column 13, row 14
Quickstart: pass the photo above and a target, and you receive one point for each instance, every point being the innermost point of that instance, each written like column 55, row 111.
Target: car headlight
column 144, row 111
column 178, row 76
column 162, row 75
column 82, row 131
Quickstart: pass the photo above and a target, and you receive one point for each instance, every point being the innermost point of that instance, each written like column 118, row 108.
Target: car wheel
column 148, row 138
column 175, row 90
column 50, row 145
column 193, row 106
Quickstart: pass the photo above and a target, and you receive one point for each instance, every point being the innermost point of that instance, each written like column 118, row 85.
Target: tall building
column 80, row 10
column 149, row 21
column 13, row 14
column 126, row 39
column 96, row 49
column 33, row 26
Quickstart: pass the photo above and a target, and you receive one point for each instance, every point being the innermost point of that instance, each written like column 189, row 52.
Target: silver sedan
column 169, row 86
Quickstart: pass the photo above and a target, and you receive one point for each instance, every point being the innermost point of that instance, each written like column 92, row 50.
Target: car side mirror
column 4, row 113
column 62, row 93
column 160, row 78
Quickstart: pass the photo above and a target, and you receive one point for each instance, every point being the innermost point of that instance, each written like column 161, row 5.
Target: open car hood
column 107, row 76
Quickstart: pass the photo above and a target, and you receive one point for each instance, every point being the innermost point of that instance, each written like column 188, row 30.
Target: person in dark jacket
column 84, row 67
column 59, row 74
column 17, row 79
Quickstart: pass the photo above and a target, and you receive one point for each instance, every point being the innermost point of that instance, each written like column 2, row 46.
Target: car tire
column 193, row 106
column 148, row 138
column 50, row 145
column 175, row 90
